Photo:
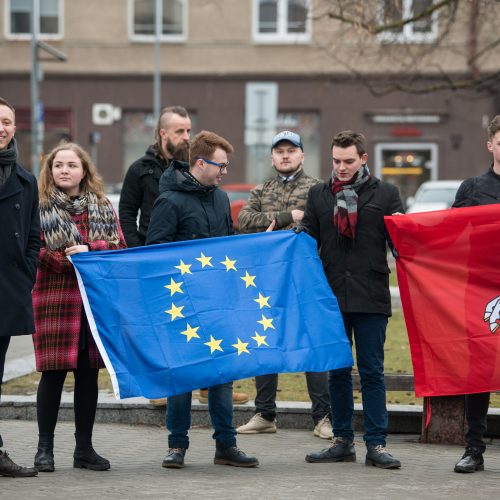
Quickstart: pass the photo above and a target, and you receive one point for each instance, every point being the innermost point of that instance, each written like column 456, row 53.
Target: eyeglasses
column 221, row 166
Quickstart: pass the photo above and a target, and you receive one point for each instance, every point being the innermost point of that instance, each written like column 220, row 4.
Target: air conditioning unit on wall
column 105, row 113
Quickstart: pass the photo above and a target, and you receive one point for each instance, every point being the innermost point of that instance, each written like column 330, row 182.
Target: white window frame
column 163, row 38
column 27, row 36
column 431, row 146
column 282, row 36
column 407, row 35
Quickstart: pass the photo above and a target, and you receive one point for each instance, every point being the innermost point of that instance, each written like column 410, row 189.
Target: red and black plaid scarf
column 345, row 212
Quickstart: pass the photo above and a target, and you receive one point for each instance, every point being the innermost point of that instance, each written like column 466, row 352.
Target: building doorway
column 407, row 165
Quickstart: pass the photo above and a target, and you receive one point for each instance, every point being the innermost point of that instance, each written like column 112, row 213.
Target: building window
column 423, row 30
column 258, row 155
column 282, row 21
column 173, row 20
column 18, row 19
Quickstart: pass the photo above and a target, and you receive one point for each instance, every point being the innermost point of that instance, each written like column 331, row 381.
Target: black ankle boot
column 85, row 457
column 44, row 458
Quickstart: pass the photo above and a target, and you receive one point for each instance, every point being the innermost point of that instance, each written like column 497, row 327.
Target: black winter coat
column 357, row 271
column 481, row 190
column 19, row 246
column 139, row 192
column 187, row 210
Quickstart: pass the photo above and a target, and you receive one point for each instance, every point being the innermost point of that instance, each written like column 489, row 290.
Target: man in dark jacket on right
column 346, row 217
column 140, row 186
column 475, row 191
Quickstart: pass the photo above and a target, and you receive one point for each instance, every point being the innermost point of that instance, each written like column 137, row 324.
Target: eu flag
column 178, row 316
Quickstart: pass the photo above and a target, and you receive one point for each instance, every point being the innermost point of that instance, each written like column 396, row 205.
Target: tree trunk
column 447, row 423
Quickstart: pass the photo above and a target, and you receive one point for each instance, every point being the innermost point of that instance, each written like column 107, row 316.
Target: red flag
column 449, row 279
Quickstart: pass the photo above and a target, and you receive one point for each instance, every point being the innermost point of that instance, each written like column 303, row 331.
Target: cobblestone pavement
column 136, row 453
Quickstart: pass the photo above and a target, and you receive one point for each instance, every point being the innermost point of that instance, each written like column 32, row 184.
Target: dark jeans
column 317, row 386
column 369, row 337
column 220, row 408
column 4, row 345
column 476, row 411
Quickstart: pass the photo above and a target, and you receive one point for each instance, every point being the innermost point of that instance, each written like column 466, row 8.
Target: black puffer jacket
column 139, row 192
column 481, row 190
column 187, row 210
column 357, row 271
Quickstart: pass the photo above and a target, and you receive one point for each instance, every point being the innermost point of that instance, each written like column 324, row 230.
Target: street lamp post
column 157, row 70
column 36, row 105
column 37, row 113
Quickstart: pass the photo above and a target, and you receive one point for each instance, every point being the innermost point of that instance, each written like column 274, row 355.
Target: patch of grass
column 291, row 386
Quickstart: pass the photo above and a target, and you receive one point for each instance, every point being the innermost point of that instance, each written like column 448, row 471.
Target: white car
column 433, row 195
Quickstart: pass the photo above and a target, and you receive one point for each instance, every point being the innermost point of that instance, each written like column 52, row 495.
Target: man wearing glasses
column 191, row 207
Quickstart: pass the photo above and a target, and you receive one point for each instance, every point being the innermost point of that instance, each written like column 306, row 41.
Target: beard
column 179, row 152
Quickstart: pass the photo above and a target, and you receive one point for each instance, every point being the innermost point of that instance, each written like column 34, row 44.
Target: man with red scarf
column 346, row 217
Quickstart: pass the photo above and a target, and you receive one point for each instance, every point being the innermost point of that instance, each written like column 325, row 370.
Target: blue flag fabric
column 175, row 317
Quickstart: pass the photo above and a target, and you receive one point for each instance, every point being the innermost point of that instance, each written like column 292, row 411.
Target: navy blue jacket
column 19, row 247
column 187, row 210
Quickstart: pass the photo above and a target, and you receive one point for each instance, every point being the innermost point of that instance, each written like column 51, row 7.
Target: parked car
column 238, row 195
column 433, row 195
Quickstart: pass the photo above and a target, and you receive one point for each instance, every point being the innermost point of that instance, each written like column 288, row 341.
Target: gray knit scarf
column 59, row 230
column 8, row 159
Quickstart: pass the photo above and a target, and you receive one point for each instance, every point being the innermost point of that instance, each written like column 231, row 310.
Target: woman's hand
column 76, row 249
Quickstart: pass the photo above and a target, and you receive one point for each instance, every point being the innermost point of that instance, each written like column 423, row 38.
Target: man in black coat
column 20, row 243
column 346, row 217
column 481, row 190
column 189, row 207
column 140, row 186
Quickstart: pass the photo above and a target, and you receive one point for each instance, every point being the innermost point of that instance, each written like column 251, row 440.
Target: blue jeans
column 369, row 337
column 220, row 407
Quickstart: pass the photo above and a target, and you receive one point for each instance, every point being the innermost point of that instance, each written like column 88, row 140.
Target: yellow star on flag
column 260, row 339
column 262, row 301
column 184, row 268
column 214, row 345
column 249, row 280
column 205, row 261
column 230, row 264
column 266, row 323
column 190, row 332
column 174, row 287
column 241, row 346
column 175, row 312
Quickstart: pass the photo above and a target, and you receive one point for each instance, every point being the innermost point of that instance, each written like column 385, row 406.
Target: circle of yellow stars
column 175, row 312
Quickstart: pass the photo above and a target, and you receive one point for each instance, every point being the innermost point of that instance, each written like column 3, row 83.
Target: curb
column 403, row 419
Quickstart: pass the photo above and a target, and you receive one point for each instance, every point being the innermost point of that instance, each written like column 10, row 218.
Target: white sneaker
column 323, row 429
column 257, row 425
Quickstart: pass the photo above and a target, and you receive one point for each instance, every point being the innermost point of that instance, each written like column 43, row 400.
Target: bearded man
column 140, row 186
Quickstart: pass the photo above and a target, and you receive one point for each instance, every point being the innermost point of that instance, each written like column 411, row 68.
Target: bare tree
column 415, row 46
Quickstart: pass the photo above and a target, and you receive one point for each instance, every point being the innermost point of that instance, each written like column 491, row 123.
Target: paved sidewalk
column 136, row 453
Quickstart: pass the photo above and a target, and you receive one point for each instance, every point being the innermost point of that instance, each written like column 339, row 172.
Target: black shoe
column 378, row 456
column 174, row 458
column 471, row 461
column 10, row 469
column 341, row 450
column 88, row 458
column 234, row 456
column 44, row 458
